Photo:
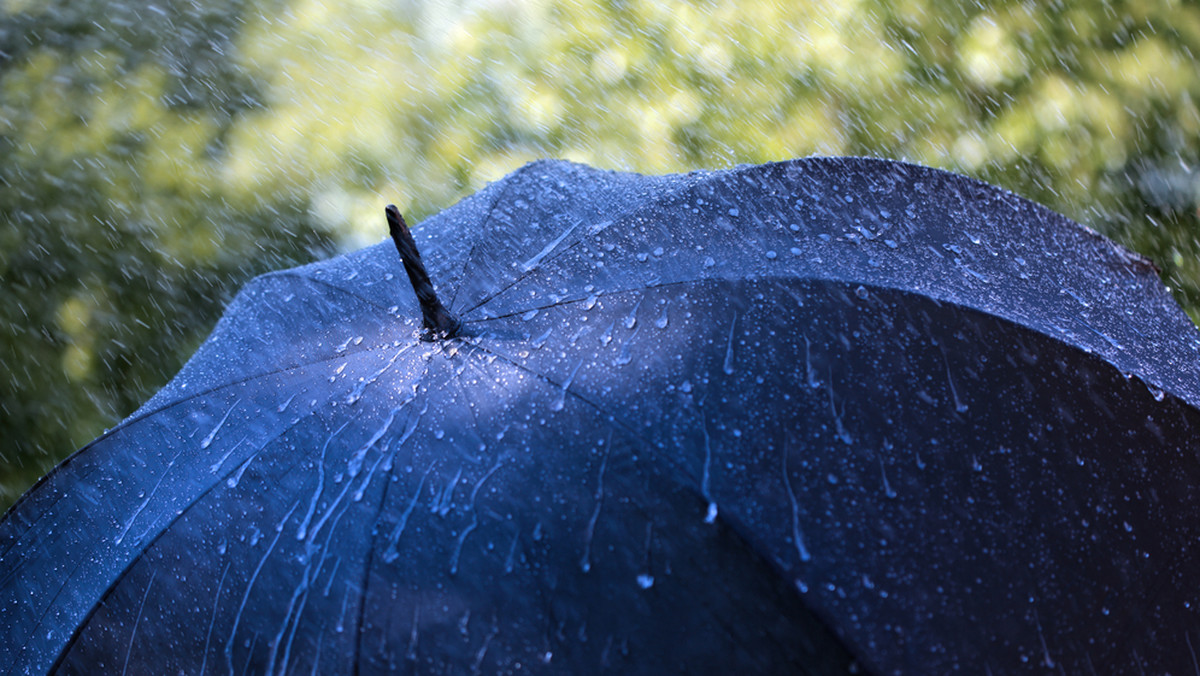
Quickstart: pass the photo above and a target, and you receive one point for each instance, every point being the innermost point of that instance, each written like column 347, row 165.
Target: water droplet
column 529, row 315
column 285, row 405
column 771, row 255
column 645, row 580
column 795, row 251
column 658, row 251
column 862, row 292
column 733, row 211
column 631, row 318
column 709, row 262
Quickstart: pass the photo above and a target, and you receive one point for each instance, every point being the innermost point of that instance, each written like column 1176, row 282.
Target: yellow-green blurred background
column 155, row 154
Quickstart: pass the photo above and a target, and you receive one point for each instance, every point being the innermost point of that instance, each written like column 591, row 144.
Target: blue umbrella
column 804, row 417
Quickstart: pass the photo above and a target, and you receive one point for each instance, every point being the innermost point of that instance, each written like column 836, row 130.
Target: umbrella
column 811, row 416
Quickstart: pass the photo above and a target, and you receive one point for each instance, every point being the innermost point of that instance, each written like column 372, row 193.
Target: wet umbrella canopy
column 807, row 415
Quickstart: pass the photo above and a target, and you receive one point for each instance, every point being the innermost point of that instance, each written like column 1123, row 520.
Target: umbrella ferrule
column 440, row 322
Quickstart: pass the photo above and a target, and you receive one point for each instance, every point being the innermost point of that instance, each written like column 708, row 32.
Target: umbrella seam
column 508, row 185
column 292, row 274
column 49, row 606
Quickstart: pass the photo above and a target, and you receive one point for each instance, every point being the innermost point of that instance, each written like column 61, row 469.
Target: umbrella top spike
column 436, row 317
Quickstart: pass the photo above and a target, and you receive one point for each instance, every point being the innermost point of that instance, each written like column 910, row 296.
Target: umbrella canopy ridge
column 808, row 413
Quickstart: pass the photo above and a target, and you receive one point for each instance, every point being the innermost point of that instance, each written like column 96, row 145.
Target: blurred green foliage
column 158, row 153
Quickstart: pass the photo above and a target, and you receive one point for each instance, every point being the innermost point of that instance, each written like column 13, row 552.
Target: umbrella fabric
column 801, row 416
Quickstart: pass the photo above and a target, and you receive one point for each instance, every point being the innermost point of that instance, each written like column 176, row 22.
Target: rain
column 162, row 154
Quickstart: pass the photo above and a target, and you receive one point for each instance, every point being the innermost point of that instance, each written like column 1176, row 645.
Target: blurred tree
column 160, row 152
column 119, row 242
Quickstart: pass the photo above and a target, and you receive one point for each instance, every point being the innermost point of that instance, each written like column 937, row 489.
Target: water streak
column 729, row 347
column 207, row 441
column 797, row 537
column 585, row 562
column 357, row 392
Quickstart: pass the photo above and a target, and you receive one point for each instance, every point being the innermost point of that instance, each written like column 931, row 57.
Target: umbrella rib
column 487, row 299
column 508, row 185
column 366, row 576
column 136, row 622
column 46, row 612
column 292, row 274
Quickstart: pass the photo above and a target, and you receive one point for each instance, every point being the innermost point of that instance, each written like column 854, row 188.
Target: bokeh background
column 156, row 154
